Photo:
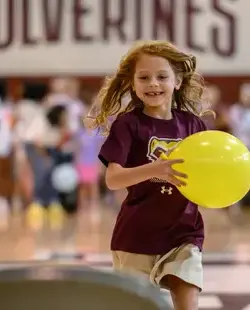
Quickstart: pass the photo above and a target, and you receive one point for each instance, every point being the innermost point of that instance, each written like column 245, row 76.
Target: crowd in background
column 43, row 131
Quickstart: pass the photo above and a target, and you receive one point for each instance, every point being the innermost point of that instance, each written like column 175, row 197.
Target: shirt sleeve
column 117, row 146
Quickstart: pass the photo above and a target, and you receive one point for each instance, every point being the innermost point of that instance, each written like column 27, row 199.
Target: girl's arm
column 118, row 177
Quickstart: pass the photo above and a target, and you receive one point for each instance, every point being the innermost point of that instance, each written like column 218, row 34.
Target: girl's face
column 154, row 81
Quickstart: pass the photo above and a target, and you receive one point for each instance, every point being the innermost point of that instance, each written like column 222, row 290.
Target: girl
column 88, row 145
column 158, row 232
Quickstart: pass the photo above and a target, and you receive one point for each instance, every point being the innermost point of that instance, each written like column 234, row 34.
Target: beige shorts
column 184, row 262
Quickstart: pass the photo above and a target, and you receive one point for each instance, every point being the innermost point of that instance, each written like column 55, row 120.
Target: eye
column 163, row 77
column 143, row 78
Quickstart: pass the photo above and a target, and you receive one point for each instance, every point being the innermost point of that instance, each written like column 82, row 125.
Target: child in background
column 88, row 144
column 113, row 198
column 63, row 219
column 40, row 137
column 239, row 121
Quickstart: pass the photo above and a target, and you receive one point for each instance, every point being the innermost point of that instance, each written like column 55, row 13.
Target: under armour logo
column 167, row 190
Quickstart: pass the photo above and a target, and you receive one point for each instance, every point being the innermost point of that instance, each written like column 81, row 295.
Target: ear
column 179, row 80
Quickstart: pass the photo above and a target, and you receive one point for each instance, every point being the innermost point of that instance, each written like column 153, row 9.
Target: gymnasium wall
column 44, row 38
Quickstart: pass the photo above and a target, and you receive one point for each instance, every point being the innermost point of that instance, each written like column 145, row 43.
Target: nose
column 153, row 82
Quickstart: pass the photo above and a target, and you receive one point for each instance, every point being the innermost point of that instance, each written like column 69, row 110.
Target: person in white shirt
column 239, row 121
column 6, row 161
column 38, row 137
column 239, row 116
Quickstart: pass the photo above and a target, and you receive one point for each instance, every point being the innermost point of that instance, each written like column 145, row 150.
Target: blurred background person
column 239, row 120
column 66, row 91
column 6, row 161
column 239, row 115
column 215, row 113
column 88, row 144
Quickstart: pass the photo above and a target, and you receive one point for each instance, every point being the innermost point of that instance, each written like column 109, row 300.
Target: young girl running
column 158, row 232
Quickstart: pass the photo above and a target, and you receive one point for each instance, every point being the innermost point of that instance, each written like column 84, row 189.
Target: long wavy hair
column 115, row 88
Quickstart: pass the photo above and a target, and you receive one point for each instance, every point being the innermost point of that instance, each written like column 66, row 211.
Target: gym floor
column 226, row 251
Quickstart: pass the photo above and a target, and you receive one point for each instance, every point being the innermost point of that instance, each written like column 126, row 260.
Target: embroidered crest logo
column 156, row 146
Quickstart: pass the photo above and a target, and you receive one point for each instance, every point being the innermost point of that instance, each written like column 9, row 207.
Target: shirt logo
column 156, row 146
column 168, row 190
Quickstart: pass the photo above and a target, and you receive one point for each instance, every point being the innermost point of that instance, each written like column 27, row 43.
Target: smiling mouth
column 154, row 94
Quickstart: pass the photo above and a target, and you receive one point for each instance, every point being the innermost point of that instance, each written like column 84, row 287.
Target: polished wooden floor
column 89, row 233
column 85, row 241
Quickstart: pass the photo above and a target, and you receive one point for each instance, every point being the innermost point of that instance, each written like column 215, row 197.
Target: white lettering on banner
column 90, row 36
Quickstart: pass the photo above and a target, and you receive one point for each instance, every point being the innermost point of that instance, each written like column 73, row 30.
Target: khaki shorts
column 184, row 262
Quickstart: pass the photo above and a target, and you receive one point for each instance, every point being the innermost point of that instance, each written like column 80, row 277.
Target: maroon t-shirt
column 155, row 217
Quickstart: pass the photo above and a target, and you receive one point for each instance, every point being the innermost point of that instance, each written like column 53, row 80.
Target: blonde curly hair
column 188, row 97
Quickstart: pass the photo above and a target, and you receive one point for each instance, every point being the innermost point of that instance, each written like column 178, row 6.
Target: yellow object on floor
column 36, row 214
column 56, row 216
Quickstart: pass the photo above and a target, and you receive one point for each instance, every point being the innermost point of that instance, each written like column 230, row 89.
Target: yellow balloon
column 218, row 168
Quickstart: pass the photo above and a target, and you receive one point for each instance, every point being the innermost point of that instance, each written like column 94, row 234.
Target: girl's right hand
column 163, row 170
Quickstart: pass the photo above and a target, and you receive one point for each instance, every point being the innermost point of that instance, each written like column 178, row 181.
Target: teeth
column 153, row 93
